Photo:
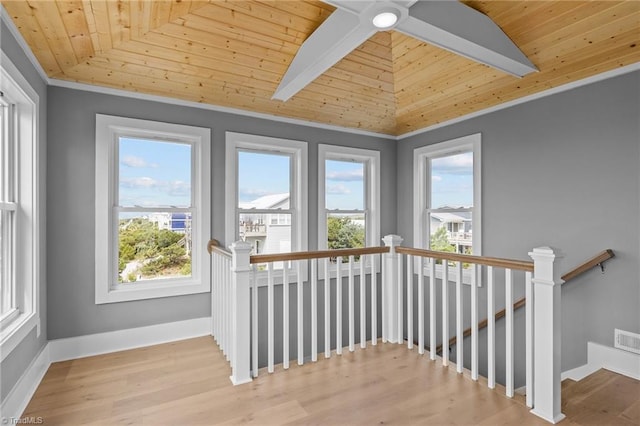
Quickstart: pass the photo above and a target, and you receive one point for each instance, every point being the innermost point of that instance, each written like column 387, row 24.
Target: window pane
column 345, row 231
column 154, row 173
column 452, row 181
column 264, row 180
column 451, row 232
column 154, row 245
column 7, row 302
column 267, row 233
column 344, row 185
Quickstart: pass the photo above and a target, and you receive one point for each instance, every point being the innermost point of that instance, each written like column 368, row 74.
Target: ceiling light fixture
column 384, row 20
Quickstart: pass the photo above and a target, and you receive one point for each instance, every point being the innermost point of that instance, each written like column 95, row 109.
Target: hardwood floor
column 186, row 383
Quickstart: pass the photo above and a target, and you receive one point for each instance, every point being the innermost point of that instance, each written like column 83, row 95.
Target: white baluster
column 528, row 337
column 445, row 312
column 363, row 300
column 491, row 331
column 409, row 302
column 285, row 314
column 508, row 296
column 339, row 305
column 420, row 305
column 432, row 309
column 351, row 306
column 270, row 317
column 314, row 310
column 300, row 314
column 327, row 310
column 374, row 301
column 474, row 322
column 459, row 320
column 254, row 322
column 400, row 287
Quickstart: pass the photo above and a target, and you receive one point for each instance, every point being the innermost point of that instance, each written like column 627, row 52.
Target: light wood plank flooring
column 186, row 383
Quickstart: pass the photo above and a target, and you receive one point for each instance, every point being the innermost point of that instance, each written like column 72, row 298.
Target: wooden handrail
column 214, row 245
column 594, row 261
column 304, row 255
column 521, row 265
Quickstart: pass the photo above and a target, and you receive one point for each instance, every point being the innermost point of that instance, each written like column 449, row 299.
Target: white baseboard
column 120, row 340
column 14, row 404
column 612, row 359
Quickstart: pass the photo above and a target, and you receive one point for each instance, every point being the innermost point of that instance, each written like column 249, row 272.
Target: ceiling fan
column 448, row 24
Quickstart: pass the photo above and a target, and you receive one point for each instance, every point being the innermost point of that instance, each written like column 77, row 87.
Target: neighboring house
column 176, row 222
column 458, row 226
column 267, row 232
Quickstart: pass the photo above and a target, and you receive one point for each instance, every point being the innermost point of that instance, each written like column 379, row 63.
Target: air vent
column 627, row 341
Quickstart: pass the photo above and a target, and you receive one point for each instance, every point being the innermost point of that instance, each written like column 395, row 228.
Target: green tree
column 440, row 241
column 342, row 232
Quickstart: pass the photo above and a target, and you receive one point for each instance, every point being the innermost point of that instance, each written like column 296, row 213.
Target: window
column 19, row 216
column 266, row 193
column 152, row 209
column 348, row 197
column 447, row 196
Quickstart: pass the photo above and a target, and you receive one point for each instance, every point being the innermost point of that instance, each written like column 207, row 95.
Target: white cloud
column 436, row 178
column 346, row 176
column 136, row 162
column 250, row 193
column 461, row 164
column 338, row 189
column 139, row 182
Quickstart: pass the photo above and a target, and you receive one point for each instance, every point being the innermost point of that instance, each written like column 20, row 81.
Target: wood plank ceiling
column 234, row 53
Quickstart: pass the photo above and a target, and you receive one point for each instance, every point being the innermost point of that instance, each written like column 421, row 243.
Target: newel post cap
column 241, row 251
column 546, row 265
column 392, row 240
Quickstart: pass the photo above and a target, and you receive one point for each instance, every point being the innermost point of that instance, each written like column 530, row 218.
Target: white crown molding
column 18, row 398
column 559, row 89
column 4, row 16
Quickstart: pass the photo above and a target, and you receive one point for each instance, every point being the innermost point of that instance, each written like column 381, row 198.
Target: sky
column 344, row 185
column 154, row 174
column 452, row 181
column 262, row 174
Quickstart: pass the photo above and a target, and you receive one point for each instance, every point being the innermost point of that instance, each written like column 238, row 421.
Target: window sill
column 140, row 291
column 16, row 332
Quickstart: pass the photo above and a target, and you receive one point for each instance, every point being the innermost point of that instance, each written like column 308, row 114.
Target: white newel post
column 240, row 313
column 546, row 336
column 390, row 290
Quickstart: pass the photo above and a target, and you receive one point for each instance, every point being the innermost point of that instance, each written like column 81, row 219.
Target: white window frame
column 25, row 205
column 108, row 130
column 298, row 201
column 371, row 160
column 421, row 195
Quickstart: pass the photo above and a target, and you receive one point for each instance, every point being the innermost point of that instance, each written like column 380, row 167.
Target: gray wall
column 17, row 362
column 71, row 135
column 562, row 171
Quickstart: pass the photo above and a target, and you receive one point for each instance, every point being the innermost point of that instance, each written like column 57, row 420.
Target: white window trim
column 421, row 201
column 371, row 159
column 108, row 128
column 298, row 201
column 27, row 262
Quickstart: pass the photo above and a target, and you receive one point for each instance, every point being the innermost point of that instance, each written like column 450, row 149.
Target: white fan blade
column 334, row 39
column 460, row 29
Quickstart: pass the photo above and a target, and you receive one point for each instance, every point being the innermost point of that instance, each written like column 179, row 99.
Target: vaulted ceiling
column 234, row 53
